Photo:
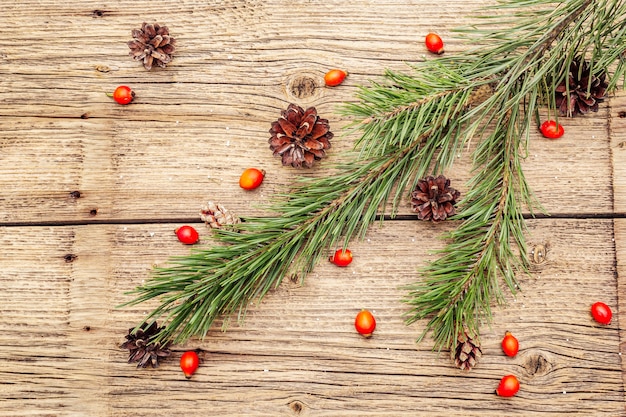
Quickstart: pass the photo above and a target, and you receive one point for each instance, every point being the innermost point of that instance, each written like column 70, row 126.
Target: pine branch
column 257, row 254
column 411, row 125
column 459, row 288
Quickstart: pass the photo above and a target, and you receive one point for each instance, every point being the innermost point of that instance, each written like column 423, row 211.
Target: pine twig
column 409, row 126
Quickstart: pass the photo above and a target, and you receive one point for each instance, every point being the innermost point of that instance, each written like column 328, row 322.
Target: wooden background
column 90, row 193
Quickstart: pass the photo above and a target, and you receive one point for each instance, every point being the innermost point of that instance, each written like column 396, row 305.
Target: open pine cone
column 300, row 137
column 467, row 351
column 583, row 97
column 142, row 349
column 434, row 199
column 152, row 44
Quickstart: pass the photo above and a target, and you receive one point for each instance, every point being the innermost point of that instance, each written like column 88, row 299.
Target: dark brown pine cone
column 300, row 137
column 434, row 199
column 583, row 96
column 143, row 350
column 152, row 44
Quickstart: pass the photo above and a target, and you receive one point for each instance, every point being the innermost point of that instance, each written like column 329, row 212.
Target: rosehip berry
column 189, row 362
column 508, row 387
column 341, row 257
column 335, row 77
column 551, row 130
column 601, row 313
column 434, row 43
column 365, row 323
column 123, row 95
column 187, row 235
column 251, row 178
column 510, row 345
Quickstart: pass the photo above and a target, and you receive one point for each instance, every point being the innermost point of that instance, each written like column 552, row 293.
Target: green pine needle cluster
column 411, row 125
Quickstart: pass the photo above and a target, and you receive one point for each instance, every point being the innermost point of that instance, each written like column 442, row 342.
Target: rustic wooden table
column 91, row 191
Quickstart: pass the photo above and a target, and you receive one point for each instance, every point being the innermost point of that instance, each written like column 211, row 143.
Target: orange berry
column 335, row 77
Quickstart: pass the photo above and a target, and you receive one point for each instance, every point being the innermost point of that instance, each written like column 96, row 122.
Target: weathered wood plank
column 195, row 126
column 297, row 352
column 138, row 170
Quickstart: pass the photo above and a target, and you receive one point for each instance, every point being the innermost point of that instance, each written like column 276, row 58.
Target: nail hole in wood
column 97, row 13
column 621, row 114
column 87, row 328
column 93, row 212
column 75, row 194
column 70, row 257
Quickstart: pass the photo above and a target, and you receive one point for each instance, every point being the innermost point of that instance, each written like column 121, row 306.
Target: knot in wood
column 537, row 365
column 302, row 86
column 539, row 253
column 297, row 407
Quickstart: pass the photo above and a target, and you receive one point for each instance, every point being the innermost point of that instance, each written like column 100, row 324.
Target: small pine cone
column 300, row 137
column 583, row 96
column 142, row 349
column 215, row 215
column 152, row 44
column 434, row 199
column 467, row 351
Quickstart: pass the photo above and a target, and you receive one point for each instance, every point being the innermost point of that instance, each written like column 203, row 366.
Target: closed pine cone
column 467, row 351
column 215, row 215
column 300, row 137
column 434, row 199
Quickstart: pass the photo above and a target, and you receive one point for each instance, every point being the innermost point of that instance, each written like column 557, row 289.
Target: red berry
column 601, row 313
column 189, row 362
column 335, row 77
column 341, row 257
column 551, row 130
column 434, row 43
column 508, row 387
column 251, row 178
column 187, row 235
column 510, row 345
column 123, row 94
column 365, row 323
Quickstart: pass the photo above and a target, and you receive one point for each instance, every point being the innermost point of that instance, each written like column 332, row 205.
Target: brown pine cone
column 142, row 349
column 300, row 137
column 467, row 351
column 152, row 44
column 583, row 97
column 434, row 199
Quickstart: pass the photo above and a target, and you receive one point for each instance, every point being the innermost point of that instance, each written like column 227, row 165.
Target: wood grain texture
column 236, row 67
column 90, row 193
column 297, row 349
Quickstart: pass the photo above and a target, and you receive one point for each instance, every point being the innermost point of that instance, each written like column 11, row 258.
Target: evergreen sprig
column 411, row 124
